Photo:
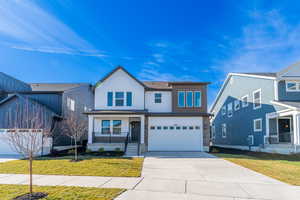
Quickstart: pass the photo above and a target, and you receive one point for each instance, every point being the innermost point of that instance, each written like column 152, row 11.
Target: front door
column 284, row 130
column 135, row 131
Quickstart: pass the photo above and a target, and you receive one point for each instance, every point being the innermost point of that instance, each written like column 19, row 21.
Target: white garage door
column 175, row 134
column 5, row 148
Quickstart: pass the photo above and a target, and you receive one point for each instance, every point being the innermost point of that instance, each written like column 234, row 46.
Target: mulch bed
column 33, row 196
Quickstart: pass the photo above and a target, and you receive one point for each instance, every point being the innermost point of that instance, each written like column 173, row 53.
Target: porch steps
column 132, row 149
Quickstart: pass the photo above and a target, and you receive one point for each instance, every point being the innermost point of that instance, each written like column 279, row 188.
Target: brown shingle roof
column 157, row 84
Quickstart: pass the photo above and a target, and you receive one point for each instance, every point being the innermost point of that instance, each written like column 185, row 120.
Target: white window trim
column 297, row 86
column 251, row 137
column 231, row 103
column 224, row 125
column 245, row 104
column 225, row 109
column 253, row 99
column 254, row 123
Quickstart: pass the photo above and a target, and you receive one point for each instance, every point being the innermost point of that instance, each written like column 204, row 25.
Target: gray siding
column 283, row 95
column 240, row 125
column 9, row 84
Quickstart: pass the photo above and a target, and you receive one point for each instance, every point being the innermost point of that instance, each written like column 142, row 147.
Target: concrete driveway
column 197, row 175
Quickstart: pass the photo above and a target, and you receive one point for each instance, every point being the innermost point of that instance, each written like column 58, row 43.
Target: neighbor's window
column 257, row 99
column 157, row 97
column 257, row 125
column 178, row 127
column 292, row 86
column 191, row 127
column 224, row 110
column 129, row 98
column 181, row 99
column 105, row 127
column 171, row 127
column 152, row 127
column 117, row 126
column 189, row 99
column 165, row 128
column 229, row 108
column 71, row 104
column 197, row 99
column 224, row 131
column 245, row 101
column 109, row 99
column 237, row 105
column 119, row 98
column 184, row 127
column 197, row 127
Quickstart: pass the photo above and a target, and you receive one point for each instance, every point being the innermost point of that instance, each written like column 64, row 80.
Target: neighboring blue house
column 259, row 110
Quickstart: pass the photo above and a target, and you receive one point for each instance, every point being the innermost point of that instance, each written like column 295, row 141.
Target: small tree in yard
column 75, row 128
column 28, row 124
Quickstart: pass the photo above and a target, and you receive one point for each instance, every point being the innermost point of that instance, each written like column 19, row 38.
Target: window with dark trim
column 152, row 127
column 165, row 128
column 105, row 127
column 189, row 99
column 178, row 127
column 158, row 127
column 181, row 99
column 117, row 126
column 184, row 127
column 197, row 99
column 119, row 98
column 157, row 98
column 191, row 128
column 171, row 127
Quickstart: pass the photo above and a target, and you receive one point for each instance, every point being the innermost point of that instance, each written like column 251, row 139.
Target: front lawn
column 285, row 168
column 8, row 192
column 88, row 166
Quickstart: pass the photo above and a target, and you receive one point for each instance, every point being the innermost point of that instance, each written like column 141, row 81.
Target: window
column 189, row 99
column 171, row 127
column 224, row 110
column 117, row 126
column 257, row 123
column 237, row 105
column 105, row 127
column 157, row 97
column 197, row 127
column 71, row 104
column 191, row 127
column 292, row 86
column 184, row 127
column 229, row 108
column 245, row 101
column 213, row 132
column 152, row 127
column 250, row 140
column 257, row 99
column 129, row 98
column 158, row 127
column 178, row 127
column 181, row 99
column 197, row 99
column 109, row 99
column 224, row 131
column 119, row 98
column 165, row 128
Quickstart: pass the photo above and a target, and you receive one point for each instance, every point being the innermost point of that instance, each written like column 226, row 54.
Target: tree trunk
column 30, row 174
column 76, row 157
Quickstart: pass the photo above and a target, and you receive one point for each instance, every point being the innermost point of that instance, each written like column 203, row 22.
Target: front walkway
column 179, row 176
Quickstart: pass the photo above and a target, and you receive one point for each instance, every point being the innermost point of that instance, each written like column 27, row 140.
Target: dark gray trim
column 179, row 114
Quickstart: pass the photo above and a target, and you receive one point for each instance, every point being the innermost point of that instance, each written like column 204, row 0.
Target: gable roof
column 115, row 70
column 54, row 87
column 11, row 84
column 267, row 74
column 285, row 70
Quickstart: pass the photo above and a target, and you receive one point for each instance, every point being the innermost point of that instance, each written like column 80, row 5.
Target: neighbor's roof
column 55, row 87
column 157, row 84
column 268, row 74
column 288, row 104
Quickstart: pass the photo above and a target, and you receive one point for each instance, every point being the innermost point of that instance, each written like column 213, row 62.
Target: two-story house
column 150, row 116
column 260, row 111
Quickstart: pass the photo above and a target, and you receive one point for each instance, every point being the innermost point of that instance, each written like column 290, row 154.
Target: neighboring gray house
column 57, row 101
column 259, row 110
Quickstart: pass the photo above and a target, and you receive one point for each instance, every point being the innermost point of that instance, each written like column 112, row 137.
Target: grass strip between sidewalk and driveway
column 88, row 166
column 8, row 192
column 285, row 168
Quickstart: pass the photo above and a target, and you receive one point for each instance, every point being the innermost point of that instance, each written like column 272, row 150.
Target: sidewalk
column 81, row 181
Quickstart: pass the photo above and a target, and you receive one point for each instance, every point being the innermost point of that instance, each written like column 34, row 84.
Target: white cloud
column 28, row 27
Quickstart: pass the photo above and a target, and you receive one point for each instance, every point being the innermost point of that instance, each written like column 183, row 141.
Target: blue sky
column 80, row 41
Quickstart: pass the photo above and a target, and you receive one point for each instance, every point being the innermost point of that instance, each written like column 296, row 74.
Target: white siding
column 119, row 82
column 164, row 106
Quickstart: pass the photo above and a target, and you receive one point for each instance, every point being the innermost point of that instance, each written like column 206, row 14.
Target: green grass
column 8, row 192
column 285, row 168
column 88, row 166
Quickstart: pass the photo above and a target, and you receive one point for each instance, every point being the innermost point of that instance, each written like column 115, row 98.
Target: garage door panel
column 175, row 140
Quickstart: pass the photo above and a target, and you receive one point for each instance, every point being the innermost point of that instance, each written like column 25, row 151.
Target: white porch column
column 296, row 125
column 91, row 129
column 142, row 129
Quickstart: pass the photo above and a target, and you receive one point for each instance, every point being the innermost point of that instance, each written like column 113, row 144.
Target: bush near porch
column 8, row 192
column 285, row 168
column 88, row 166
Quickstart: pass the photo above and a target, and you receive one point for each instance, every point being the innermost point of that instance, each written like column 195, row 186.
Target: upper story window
column 157, row 97
column 181, row 99
column 257, row 99
column 71, row 104
column 224, row 110
column 292, row 86
column 197, row 99
column 229, row 110
column 245, row 101
column 189, row 99
column 129, row 98
column 224, row 131
column 237, row 105
column 119, row 98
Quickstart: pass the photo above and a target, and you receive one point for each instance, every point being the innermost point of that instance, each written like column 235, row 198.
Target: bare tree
column 74, row 127
column 29, row 123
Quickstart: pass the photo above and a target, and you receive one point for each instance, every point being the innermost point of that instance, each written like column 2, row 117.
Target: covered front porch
column 112, row 131
column 283, row 131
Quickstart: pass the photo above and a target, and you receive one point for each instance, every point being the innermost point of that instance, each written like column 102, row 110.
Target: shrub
column 71, row 151
column 88, row 151
column 117, row 149
column 101, row 150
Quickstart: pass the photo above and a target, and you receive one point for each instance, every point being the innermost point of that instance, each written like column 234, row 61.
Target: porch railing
column 274, row 138
column 112, row 137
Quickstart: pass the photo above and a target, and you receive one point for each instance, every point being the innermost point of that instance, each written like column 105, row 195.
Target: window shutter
column 129, row 98
column 109, row 99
